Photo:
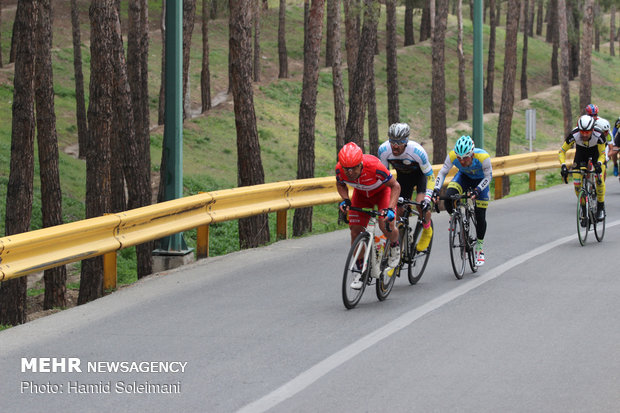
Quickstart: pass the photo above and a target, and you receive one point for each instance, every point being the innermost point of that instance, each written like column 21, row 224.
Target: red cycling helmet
column 592, row 110
column 350, row 155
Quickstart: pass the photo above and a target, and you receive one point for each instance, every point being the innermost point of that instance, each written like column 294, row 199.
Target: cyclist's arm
column 601, row 152
column 487, row 170
column 568, row 143
column 343, row 190
column 441, row 175
column 394, row 186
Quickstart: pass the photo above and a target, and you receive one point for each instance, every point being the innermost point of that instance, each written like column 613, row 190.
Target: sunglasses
column 350, row 168
column 460, row 158
column 586, row 132
column 398, row 143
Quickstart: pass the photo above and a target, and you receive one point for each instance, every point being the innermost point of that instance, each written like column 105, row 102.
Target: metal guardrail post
column 109, row 271
column 499, row 182
column 532, row 180
column 281, row 224
column 202, row 241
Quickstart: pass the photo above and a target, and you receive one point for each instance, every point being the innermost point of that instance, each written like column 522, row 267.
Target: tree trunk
column 409, row 36
column 508, row 87
column 530, row 31
column 256, row 41
column 438, row 93
column 1, row 65
column 574, row 38
column 612, row 29
column 552, row 20
column 205, row 74
column 539, row 18
column 526, row 25
column 488, row 90
column 425, row 22
column 352, row 40
column 565, row 88
column 329, row 52
column 103, row 20
column 138, row 153
column 459, row 51
column 189, row 16
column 20, row 187
column 282, row 54
column 47, row 139
column 391, row 63
column 340, row 114
column 597, row 32
column 553, row 15
column 302, row 220
column 585, row 70
column 80, row 103
column 358, row 95
column 13, row 50
column 253, row 231
column 373, row 122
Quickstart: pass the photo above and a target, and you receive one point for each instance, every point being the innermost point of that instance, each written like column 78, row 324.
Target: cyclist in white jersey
column 413, row 168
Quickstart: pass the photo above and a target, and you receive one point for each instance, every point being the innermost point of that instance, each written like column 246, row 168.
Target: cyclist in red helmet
column 372, row 184
column 592, row 110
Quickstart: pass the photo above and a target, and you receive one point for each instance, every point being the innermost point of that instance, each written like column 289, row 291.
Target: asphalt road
column 535, row 329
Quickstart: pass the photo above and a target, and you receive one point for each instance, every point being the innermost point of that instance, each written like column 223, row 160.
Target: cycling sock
column 427, row 224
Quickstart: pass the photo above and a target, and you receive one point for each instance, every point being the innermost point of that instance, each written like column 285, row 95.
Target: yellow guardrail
column 33, row 251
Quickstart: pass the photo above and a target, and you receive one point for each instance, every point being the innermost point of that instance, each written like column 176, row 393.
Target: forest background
column 209, row 138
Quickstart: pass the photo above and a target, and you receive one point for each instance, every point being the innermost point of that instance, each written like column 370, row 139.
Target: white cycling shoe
column 394, row 257
column 357, row 283
column 480, row 259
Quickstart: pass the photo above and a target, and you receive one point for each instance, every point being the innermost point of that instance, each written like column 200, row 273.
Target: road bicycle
column 587, row 205
column 462, row 234
column 416, row 260
column 367, row 262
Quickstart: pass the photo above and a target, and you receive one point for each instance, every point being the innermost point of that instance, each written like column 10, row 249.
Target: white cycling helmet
column 602, row 125
column 399, row 133
column 585, row 123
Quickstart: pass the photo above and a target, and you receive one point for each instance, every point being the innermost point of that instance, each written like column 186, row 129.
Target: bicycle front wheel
column 386, row 278
column 352, row 271
column 419, row 259
column 583, row 217
column 599, row 226
column 471, row 243
column 458, row 247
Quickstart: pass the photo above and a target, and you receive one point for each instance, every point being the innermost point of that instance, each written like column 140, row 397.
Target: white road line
column 322, row 368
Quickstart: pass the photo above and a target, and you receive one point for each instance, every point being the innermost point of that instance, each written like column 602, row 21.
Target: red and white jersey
column 374, row 175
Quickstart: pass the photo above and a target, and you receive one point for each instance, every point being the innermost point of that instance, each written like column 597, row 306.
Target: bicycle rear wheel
column 583, row 217
column 386, row 280
column 351, row 296
column 418, row 259
column 457, row 246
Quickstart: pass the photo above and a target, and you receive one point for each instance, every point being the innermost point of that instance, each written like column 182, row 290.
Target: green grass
column 209, row 140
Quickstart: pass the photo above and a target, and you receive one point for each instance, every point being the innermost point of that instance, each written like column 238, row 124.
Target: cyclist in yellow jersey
column 475, row 173
column 589, row 145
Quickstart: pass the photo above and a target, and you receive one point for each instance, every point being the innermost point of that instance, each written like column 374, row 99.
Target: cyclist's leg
column 406, row 187
column 600, row 196
column 454, row 187
column 382, row 200
column 358, row 220
column 582, row 157
column 427, row 232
